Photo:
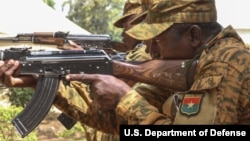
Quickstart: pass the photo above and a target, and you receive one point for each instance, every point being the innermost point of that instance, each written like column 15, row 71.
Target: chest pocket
column 198, row 105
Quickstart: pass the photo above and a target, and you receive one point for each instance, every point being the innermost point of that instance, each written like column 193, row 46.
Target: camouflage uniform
column 74, row 99
column 221, row 86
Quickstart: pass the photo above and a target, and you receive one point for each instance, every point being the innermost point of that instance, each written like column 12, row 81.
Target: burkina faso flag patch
column 191, row 104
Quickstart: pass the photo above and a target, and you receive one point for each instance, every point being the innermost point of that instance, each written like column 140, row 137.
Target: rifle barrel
column 14, row 39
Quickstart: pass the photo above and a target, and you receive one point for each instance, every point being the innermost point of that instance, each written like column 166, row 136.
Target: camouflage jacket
column 221, row 89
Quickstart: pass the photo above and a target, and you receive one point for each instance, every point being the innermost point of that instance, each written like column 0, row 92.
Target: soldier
column 134, row 51
column 186, row 30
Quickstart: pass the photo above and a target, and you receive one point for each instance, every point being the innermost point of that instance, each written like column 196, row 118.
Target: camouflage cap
column 164, row 13
column 131, row 7
column 140, row 17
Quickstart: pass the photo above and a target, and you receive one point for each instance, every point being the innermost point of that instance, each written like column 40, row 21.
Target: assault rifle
column 53, row 66
column 87, row 41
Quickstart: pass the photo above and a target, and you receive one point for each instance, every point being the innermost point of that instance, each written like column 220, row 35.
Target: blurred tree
column 51, row 3
column 20, row 96
column 96, row 16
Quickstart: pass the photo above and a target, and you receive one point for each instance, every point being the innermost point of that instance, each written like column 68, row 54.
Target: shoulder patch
column 191, row 104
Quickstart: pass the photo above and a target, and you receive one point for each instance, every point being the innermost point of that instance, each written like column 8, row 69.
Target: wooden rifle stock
column 171, row 74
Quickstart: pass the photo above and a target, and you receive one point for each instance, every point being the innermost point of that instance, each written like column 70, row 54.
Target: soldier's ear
column 195, row 35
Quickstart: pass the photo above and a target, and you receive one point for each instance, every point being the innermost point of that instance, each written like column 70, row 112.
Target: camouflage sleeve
column 73, row 100
column 136, row 110
column 233, row 92
column 74, row 94
column 154, row 95
column 138, row 54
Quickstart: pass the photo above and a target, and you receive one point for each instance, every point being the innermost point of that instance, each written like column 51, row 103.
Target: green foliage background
column 20, row 96
column 51, row 3
column 7, row 130
column 96, row 16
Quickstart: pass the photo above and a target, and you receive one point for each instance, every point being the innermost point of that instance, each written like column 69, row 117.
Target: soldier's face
column 152, row 48
column 169, row 45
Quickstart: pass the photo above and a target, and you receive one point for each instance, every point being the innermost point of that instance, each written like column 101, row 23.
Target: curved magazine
column 38, row 106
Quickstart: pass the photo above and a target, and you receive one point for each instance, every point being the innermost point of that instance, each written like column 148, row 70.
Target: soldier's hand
column 105, row 90
column 71, row 46
column 9, row 75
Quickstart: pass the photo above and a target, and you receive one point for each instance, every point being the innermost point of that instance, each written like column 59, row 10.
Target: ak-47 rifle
column 53, row 66
column 86, row 41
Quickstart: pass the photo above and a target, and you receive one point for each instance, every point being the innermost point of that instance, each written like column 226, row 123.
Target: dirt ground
column 50, row 127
